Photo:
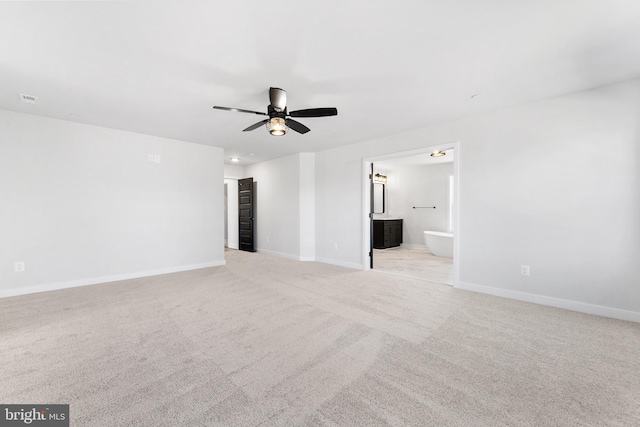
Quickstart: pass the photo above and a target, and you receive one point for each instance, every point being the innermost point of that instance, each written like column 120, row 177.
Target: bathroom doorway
column 419, row 194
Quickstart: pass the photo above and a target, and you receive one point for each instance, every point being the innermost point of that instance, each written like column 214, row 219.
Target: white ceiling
column 158, row 67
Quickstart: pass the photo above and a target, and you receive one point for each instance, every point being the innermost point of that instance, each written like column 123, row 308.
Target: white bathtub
column 439, row 243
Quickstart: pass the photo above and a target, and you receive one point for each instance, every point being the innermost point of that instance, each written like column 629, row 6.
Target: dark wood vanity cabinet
column 387, row 233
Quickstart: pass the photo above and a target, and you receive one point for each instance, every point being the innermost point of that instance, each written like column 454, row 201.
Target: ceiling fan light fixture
column 277, row 126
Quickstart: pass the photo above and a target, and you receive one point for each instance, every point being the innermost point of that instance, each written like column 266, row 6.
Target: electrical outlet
column 156, row 158
column 335, row 246
column 267, row 238
column 151, row 158
column 525, row 270
column 19, row 266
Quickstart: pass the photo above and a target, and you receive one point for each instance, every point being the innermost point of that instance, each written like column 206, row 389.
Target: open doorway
column 231, row 239
column 411, row 203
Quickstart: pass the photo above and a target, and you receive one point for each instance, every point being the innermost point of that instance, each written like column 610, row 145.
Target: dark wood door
column 245, row 210
column 371, row 229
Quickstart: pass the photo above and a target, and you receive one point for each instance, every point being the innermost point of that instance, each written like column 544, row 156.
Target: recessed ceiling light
column 438, row 153
column 74, row 115
column 235, row 159
column 475, row 96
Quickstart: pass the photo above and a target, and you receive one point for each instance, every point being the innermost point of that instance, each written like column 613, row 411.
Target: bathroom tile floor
column 417, row 263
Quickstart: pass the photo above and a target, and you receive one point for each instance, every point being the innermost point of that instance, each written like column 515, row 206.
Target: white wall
column 233, row 171
column 426, row 185
column 553, row 184
column 83, row 204
column 277, row 208
column 307, row 207
column 285, row 206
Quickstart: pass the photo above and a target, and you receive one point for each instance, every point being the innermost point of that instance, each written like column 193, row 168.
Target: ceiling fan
column 279, row 118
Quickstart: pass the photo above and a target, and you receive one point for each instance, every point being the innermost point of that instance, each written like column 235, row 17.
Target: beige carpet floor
column 414, row 262
column 266, row 341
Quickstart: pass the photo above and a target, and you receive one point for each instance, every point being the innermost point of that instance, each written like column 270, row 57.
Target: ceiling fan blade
column 297, row 126
column 278, row 98
column 314, row 112
column 255, row 126
column 239, row 110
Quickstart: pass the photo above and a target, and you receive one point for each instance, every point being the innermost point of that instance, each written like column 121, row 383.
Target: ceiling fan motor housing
column 273, row 113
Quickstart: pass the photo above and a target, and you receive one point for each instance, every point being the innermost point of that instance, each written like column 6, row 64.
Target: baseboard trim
column 340, row 263
column 598, row 310
column 4, row 293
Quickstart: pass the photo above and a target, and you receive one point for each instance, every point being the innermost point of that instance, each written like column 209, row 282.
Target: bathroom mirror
column 378, row 198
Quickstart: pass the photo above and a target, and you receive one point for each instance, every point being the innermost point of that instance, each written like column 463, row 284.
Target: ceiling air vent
column 28, row 99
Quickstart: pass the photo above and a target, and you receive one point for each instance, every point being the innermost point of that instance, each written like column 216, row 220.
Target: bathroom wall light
column 438, row 153
column 380, row 179
column 277, row 126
